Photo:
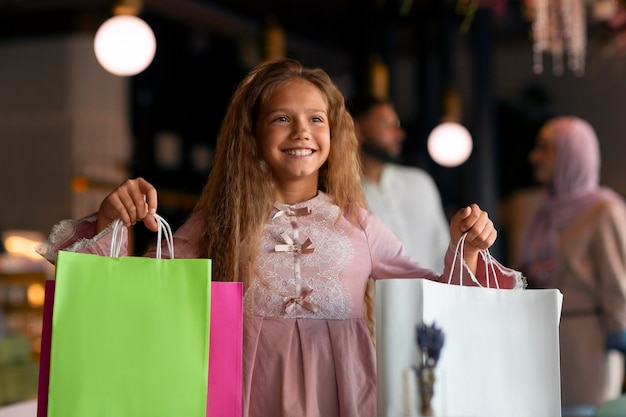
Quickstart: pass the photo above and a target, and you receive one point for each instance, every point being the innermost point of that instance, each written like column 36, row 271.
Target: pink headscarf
column 574, row 187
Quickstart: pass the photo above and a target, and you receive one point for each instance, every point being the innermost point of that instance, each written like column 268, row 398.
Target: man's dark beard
column 377, row 152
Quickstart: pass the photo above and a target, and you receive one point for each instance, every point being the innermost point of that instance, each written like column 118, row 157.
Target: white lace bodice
column 303, row 256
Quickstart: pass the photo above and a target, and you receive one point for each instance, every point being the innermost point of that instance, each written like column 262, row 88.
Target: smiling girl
column 283, row 212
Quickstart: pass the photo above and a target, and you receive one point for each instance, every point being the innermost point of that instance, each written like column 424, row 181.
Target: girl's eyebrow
column 283, row 109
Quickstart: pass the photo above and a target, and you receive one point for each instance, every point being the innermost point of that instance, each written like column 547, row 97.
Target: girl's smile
column 299, row 152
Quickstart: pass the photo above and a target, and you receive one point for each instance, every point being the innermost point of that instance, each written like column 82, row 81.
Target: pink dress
column 307, row 348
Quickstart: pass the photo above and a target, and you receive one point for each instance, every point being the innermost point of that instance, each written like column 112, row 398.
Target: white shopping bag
column 501, row 352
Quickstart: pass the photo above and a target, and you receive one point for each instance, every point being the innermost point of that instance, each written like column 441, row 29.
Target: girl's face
column 293, row 133
column 543, row 156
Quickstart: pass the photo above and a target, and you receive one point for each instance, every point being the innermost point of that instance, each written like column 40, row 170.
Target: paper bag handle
column 484, row 255
column 163, row 229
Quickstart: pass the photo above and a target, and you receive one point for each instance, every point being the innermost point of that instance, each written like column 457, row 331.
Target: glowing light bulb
column 449, row 144
column 125, row 45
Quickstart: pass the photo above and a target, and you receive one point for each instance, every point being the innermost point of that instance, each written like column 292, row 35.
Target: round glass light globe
column 449, row 144
column 124, row 45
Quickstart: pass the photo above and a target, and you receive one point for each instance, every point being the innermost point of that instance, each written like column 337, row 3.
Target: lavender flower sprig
column 430, row 340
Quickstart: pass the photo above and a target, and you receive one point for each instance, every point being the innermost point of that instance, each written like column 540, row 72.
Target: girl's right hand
column 134, row 200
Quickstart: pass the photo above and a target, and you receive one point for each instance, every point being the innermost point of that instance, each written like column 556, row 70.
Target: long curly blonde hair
column 239, row 194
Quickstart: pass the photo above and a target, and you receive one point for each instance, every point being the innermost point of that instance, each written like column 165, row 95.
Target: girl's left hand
column 481, row 233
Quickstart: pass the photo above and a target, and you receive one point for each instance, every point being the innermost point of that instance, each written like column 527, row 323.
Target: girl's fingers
column 133, row 201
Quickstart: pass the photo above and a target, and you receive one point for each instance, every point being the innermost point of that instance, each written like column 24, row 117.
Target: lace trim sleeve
column 520, row 281
column 71, row 235
column 489, row 270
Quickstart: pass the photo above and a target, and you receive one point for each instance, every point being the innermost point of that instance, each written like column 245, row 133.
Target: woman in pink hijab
column 576, row 242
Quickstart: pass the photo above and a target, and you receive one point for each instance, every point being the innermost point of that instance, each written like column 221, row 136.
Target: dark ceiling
column 324, row 30
column 336, row 24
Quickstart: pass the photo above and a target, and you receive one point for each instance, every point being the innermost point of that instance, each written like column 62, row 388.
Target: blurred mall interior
column 70, row 131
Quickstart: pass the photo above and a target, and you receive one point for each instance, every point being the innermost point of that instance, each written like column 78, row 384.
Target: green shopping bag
column 130, row 336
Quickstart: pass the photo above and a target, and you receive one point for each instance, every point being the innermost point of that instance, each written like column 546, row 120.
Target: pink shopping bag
column 226, row 349
column 224, row 396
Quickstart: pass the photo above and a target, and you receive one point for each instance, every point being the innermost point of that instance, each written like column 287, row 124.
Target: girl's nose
column 300, row 131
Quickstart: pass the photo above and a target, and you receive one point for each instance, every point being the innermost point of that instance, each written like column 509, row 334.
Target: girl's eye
column 317, row 119
column 280, row 119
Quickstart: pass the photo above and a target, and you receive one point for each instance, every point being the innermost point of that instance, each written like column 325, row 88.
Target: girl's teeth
column 299, row 152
